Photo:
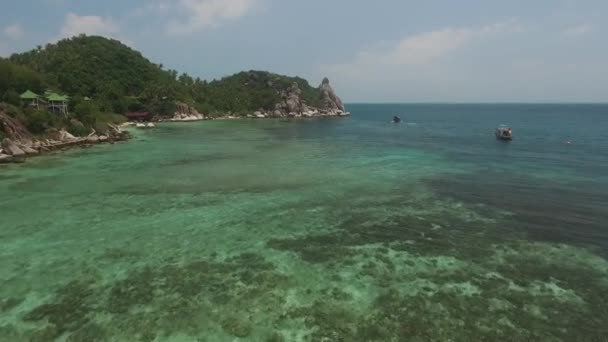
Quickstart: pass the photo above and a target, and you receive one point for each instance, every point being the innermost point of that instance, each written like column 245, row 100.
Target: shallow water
column 349, row 229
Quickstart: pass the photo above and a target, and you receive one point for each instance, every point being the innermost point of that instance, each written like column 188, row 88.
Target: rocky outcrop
column 9, row 147
column 116, row 133
column 28, row 150
column 291, row 101
column 185, row 112
column 60, row 135
column 12, row 128
column 92, row 139
column 5, row 158
column 329, row 100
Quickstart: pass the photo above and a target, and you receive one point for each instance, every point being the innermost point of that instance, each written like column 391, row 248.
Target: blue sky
column 386, row 50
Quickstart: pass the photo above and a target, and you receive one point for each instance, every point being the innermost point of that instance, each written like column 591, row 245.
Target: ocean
column 329, row 229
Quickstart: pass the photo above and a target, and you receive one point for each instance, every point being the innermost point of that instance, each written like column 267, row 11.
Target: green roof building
column 54, row 102
column 30, row 98
column 57, row 103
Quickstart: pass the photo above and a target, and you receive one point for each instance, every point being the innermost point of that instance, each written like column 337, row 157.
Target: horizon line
column 481, row 103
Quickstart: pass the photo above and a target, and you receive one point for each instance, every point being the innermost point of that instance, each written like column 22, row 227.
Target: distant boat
column 396, row 119
column 504, row 133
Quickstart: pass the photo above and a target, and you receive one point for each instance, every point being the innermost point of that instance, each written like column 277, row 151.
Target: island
column 79, row 91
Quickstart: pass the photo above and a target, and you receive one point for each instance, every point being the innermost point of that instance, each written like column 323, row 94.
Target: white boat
column 504, row 133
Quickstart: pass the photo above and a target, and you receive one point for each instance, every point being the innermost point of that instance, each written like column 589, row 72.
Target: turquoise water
column 349, row 229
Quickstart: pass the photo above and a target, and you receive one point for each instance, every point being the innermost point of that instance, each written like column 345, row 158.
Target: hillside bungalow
column 57, row 103
column 29, row 98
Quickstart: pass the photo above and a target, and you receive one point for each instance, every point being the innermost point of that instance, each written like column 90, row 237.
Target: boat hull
column 504, row 134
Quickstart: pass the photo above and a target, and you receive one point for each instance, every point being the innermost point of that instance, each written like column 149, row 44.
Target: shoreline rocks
column 19, row 151
column 10, row 148
column 5, row 158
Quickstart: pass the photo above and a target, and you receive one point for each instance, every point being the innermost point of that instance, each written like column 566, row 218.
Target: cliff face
column 293, row 104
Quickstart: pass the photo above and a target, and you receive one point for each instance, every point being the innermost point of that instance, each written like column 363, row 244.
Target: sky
column 372, row 51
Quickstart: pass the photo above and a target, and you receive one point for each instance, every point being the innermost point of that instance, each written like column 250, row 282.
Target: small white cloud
column 14, row 32
column 89, row 25
column 197, row 15
column 579, row 30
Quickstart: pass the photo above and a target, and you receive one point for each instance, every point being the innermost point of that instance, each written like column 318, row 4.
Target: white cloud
column 579, row 30
column 197, row 15
column 422, row 66
column 14, row 31
column 89, row 25
column 425, row 48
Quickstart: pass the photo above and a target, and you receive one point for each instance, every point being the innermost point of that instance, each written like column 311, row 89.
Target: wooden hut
column 29, row 98
column 57, row 103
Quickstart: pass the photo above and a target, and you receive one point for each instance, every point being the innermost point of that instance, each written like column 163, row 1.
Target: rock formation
column 5, row 158
column 292, row 103
column 60, row 135
column 12, row 128
column 184, row 112
column 10, row 148
column 329, row 100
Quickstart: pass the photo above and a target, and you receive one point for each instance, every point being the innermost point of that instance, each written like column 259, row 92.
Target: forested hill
column 88, row 66
column 120, row 79
column 116, row 77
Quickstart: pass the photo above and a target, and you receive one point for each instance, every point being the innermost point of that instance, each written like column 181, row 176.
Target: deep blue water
column 558, row 190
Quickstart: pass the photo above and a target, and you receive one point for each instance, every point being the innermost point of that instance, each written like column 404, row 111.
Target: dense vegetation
column 103, row 76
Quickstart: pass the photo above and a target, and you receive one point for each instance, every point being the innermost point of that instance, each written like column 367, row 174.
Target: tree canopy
column 118, row 78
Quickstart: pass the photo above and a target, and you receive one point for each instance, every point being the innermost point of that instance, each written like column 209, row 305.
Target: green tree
column 12, row 97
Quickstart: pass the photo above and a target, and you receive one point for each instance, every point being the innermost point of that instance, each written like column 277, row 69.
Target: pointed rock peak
column 325, row 81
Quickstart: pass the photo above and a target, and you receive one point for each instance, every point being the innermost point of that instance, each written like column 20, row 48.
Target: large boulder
column 184, row 112
column 28, row 150
column 114, row 131
column 92, row 139
column 60, row 135
column 9, row 147
column 5, row 158
column 329, row 100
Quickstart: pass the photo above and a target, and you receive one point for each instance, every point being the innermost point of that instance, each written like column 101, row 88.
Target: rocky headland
column 293, row 104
